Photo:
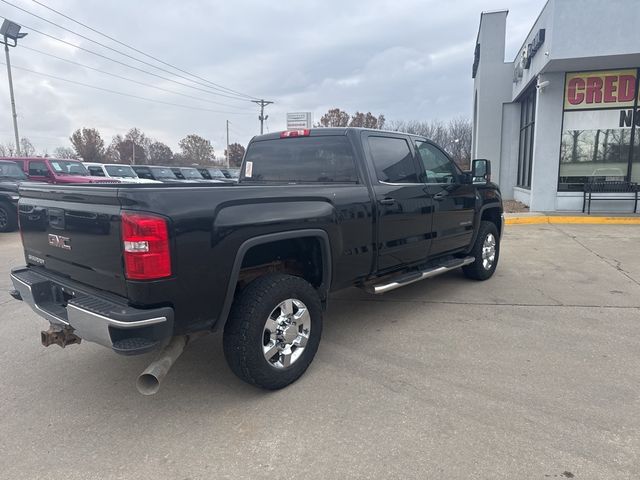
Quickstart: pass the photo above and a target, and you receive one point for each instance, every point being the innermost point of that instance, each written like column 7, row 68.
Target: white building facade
column 565, row 111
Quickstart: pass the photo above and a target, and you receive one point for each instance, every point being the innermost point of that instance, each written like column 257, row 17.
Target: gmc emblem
column 59, row 241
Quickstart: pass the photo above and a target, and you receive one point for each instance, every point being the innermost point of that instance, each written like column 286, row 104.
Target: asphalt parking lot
column 532, row 374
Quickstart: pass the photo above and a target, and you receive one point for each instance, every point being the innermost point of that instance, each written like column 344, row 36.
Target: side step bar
column 413, row 277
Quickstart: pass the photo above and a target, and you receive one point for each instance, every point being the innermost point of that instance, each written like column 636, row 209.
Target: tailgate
column 74, row 231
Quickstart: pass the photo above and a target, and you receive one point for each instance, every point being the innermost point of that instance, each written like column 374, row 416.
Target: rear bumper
column 93, row 316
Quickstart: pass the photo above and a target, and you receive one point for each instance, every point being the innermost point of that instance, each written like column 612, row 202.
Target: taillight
column 145, row 240
column 295, row 133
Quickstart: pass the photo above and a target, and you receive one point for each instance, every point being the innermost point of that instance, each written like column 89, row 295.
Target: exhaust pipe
column 148, row 382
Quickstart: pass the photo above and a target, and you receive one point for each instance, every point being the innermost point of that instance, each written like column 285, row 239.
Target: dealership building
column 565, row 111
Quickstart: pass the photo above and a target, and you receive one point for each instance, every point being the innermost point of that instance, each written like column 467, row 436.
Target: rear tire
column 8, row 217
column 486, row 251
column 273, row 331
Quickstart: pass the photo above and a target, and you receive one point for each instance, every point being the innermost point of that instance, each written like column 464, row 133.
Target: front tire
column 8, row 217
column 273, row 331
column 486, row 251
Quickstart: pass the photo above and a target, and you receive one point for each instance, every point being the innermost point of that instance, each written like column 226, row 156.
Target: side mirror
column 481, row 171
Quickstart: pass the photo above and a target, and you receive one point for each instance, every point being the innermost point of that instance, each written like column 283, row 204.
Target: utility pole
column 11, row 31
column 227, row 150
column 133, row 156
column 261, row 117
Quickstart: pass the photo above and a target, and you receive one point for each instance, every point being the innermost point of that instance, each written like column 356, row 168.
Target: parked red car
column 55, row 170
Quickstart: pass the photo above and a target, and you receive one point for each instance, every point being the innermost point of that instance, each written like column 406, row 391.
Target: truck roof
column 325, row 131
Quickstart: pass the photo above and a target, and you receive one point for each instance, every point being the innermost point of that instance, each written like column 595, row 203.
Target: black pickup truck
column 144, row 267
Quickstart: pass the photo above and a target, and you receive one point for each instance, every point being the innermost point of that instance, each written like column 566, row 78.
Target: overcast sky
column 406, row 59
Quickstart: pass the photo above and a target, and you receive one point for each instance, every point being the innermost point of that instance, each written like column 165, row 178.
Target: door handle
column 440, row 196
column 388, row 201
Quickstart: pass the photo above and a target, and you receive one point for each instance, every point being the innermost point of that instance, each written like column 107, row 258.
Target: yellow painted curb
column 585, row 220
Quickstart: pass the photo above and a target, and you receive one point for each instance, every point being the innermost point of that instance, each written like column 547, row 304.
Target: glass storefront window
column 585, row 154
column 635, row 164
column 599, row 127
column 527, row 125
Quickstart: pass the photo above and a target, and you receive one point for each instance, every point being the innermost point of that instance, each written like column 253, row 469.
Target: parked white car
column 124, row 173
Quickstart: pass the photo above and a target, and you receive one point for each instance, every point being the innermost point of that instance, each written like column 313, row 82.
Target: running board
column 413, row 277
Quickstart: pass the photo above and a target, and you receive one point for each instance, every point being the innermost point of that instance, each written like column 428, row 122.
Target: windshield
column 11, row 170
column 124, row 171
column 191, row 173
column 69, row 167
column 159, row 172
column 215, row 173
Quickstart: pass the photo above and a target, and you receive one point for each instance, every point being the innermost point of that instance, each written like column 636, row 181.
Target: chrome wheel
column 489, row 251
column 286, row 333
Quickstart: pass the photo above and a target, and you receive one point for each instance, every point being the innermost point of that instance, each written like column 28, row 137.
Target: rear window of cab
column 322, row 159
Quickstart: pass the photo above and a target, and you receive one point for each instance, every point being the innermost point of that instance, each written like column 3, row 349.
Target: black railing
column 611, row 187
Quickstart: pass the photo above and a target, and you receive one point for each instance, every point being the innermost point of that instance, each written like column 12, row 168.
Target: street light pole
column 13, row 101
column 11, row 31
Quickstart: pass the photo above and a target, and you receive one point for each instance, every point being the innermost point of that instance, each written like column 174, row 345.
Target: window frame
column 412, row 150
column 457, row 170
column 634, row 143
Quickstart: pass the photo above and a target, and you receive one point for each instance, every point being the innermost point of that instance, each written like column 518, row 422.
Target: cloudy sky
column 407, row 59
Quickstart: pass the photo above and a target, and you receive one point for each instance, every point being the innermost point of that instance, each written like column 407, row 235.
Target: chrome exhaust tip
column 149, row 381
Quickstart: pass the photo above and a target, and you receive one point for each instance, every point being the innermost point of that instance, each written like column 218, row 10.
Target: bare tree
column 454, row 137
column 334, row 118
column 7, row 150
column 26, row 147
column 133, row 148
column 88, row 144
column 235, row 153
column 366, row 120
column 64, row 152
column 160, row 154
column 196, row 149
column 459, row 141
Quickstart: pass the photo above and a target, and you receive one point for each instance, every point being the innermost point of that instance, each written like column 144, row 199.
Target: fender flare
column 323, row 289
column 484, row 207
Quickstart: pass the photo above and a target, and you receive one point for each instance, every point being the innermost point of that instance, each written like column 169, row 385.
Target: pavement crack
column 616, row 264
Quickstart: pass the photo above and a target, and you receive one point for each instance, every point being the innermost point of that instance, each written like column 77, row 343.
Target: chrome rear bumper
column 93, row 317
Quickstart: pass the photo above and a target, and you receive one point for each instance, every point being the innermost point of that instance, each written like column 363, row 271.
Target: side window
column 438, row 168
column 393, row 160
column 38, row 169
column 96, row 172
column 144, row 173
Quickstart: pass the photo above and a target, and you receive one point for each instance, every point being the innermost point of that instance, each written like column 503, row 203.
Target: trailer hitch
column 56, row 335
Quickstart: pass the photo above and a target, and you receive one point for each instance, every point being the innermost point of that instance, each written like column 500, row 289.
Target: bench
column 609, row 186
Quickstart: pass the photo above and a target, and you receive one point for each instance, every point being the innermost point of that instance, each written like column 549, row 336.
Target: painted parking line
column 585, row 220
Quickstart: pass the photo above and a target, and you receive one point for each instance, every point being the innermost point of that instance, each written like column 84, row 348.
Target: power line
column 127, row 65
column 116, row 50
column 130, row 79
column 139, row 51
column 125, row 94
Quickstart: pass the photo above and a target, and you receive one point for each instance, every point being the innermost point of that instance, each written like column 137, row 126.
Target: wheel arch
column 491, row 212
column 323, row 288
